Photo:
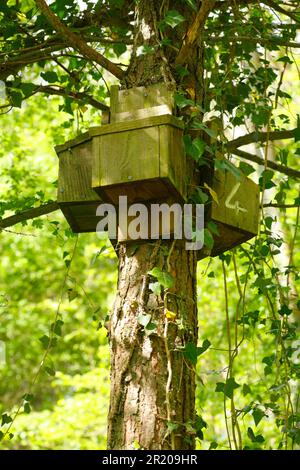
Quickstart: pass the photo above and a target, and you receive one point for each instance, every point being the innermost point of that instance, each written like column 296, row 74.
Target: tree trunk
column 152, row 402
column 152, row 384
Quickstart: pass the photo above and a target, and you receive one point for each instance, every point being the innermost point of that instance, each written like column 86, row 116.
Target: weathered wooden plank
column 136, row 124
column 129, row 156
column 75, row 174
column 142, row 113
column 137, row 98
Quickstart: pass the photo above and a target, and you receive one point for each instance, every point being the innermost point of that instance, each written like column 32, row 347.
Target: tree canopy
column 235, row 66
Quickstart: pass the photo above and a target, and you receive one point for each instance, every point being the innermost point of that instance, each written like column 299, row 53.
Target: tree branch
column 254, row 137
column 281, row 206
column 75, row 95
column 193, row 32
column 278, row 8
column 271, row 40
column 28, row 214
column 75, row 41
column 274, row 166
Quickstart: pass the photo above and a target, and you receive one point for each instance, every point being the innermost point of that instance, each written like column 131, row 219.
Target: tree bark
column 152, row 402
column 152, row 384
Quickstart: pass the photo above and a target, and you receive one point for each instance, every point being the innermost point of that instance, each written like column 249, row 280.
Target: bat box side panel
column 238, row 202
column 76, row 198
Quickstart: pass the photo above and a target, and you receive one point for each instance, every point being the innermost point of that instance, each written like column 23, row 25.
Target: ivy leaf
column 213, row 445
column 213, row 228
column 50, row 77
column 155, row 287
column 208, row 239
column 27, row 397
column 57, row 327
column 181, row 101
column 16, row 98
column 46, row 341
column 246, row 168
column 6, row 419
column 284, row 310
column 119, row 48
column 27, row 408
column 258, row 415
column 228, row 387
column 285, row 59
column 246, row 390
column 199, row 425
column 173, row 18
column 50, row 371
column 191, row 351
column 253, row 438
column 199, row 196
column 164, row 278
column 72, row 294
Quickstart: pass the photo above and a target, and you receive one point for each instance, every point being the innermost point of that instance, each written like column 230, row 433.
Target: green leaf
column 50, row 371
column 268, row 222
column 27, row 397
column 213, row 228
column 191, row 351
column 199, row 425
column 285, row 59
column 199, row 196
column 50, row 77
column 27, row 89
column 246, row 390
column 164, row 278
column 151, row 326
column 191, row 4
column 155, row 287
column 258, row 415
column 246, row 168
column 16, row 98
column 213, row 445
column 266, row 179
column 253, row 438
column 6, row 419
column 205, row 345
column 119, row 48
column 228, row 387
column 208, row 239
column 45, row 340
column 27, row 408
column 173, row 18
column 285, row 310
column 57, row 327
column 181, row 101
column 72, row 294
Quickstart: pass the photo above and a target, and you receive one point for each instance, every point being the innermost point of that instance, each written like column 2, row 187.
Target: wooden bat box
column 75, row 196
column 140, row 154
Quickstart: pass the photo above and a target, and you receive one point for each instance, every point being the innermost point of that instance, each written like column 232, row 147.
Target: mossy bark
column 152, row 384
